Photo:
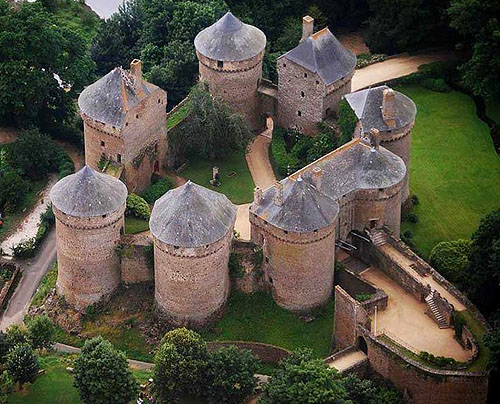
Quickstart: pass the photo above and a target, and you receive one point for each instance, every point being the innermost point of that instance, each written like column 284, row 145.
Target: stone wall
column 236, row 83
column 299, row 92
column 191, row 284
column 250, row 258
column 267, row 353
column 348, row 314
column 101, row 139
column 89, row 265
column 424, row 385
column 297, row 266
column 134, row 262
column 334, row 93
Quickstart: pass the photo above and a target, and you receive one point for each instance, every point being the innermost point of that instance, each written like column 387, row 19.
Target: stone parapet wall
column 267, row 353
column 424, row 385
column 88, row 262
column 250, row 257
column 134, row 261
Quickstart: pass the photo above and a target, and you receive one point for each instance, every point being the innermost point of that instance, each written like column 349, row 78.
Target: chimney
column 388, row 108
column 136, row 68
column 257, row 195
column 375, row 138
column 307, row 27
column 278, row 193
column 317, row 176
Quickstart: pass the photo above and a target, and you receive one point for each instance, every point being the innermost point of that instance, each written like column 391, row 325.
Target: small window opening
column 305, row 74
column 317, row 81
column 119, row 158
column 102, row 143
column 270, row 280
column 302, row 94
column 137, row 116
column 267, row 260
column 220, row 64
column 284, row 64
column 299, row 113
column 126, row 123
column 156, row 147
column 159, row 100
column 103, row 216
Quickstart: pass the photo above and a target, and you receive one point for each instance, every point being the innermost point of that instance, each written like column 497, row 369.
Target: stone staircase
column 378, row 237
column 438, row 317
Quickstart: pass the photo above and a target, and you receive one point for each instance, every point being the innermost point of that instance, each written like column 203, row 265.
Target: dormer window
column 220, row 64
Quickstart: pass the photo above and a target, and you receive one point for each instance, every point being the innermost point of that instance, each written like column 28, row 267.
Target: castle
column 349, row 199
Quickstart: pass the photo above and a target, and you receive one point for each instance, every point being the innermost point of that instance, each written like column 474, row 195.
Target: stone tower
column 124, row 120
column 89, row 208
column 230, row 57
column 295, row 224
column 393, row 115
column 312, row 78
column 192, row 229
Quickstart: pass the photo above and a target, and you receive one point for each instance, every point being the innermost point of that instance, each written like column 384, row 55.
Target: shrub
column 102, row 374
column 450, row 259
column 324, row 142
column 13, row 190
column 17, row 334
column 415, row 200
column 22, row 364
column 235, row 268
column 439, row 361
column 28, row 248
column 138, row 207
column 347, row 122
column 279, row 155
column 41, row 331
column 230, row 375
column 438, row 85
column 411, row 217
column 157, row 189
column 458, row 324
column 363, row 297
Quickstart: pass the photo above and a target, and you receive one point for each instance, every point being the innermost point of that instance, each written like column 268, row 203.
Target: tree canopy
column 22, row 364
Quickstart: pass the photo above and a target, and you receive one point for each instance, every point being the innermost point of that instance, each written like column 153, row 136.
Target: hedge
column 157, row 190
column 138, row 207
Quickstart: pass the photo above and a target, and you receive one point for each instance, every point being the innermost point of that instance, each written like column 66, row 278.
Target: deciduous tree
column 41, row 331
column 22, row 364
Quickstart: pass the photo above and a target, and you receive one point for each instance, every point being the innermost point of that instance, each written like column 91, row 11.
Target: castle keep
column 124, row 120
column 89, row 209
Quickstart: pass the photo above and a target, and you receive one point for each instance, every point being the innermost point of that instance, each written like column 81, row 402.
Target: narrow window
column 267, row 260
column 284, row 64
column 302, row 94
column 119, row 158
column 156, row 147
column 159, row 100
column 220, row 64
column 126, row 123
column 317, row 81
column 102, row 143
column 270, row 280
column 305, row 74
column 299, row 113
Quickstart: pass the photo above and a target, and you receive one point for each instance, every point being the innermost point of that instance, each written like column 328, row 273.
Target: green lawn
column 56, row 384
column 134, row 225
column 454, row 169
column 238, row 188
column 258, row 318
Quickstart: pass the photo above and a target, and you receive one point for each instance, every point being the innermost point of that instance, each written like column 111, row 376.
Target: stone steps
column 435, row 311
column 378, row 237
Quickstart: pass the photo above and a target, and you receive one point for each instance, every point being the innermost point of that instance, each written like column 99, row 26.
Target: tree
column 230, row 375
column 483, row 271
column 17, row 334
column 212, row 130
column 302, row 379
column 33, row 154
column 450, row 259
column 102, row 375
column 360, row 391
column 347, row 122
column 179, row 363
column 479, row 23
column 13, row 190
column 5, row 387
column 41, row 331
column 324, row 142
column 34, row 49
column 492, row 342
column 4, row 346
column 22, row 364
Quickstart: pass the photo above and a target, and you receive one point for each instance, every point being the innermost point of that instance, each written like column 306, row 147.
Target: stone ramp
column 354, row 265
column 346, row 359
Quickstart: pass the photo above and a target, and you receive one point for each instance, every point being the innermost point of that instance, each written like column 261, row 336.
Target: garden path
column 348, row 360
column 398, row 66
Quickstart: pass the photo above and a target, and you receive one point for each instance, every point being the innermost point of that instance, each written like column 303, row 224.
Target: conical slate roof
column 109, row 98
column 191, row 216
column 304, row 209
column 367, row 105
column 230, row 40
column 88, row 193
column 323, row 54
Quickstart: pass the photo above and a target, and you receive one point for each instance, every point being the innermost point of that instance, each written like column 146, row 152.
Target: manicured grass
column 178, row 115
column 56, row 384
column 11, row 221
column 258, row 318
column 454, row 169
column 134, row 225
column 238, row 188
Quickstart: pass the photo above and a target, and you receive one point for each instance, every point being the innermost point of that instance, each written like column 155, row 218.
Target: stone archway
column 362, row 345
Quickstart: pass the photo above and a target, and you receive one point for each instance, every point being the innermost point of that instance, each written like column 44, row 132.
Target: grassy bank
column 454, row 169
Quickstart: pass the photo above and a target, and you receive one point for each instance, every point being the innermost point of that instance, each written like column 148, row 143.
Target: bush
column 458, row 324
column 17, row 334
column 230, row 376
column 157, row 189
column 138, row 207
column 22, row 364
column 41, row 331
column 28, row 248
column 411, row 217
column 450, row 259
column 438, row 85
column 279, row 155
column 347, row 122
column 13, row 190
column 439, row 361
column 414, row 199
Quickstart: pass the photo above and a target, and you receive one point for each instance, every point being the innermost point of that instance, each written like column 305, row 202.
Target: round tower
column 230, row 57
column 295, row 224
column 192, row 229
column 89, row 209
